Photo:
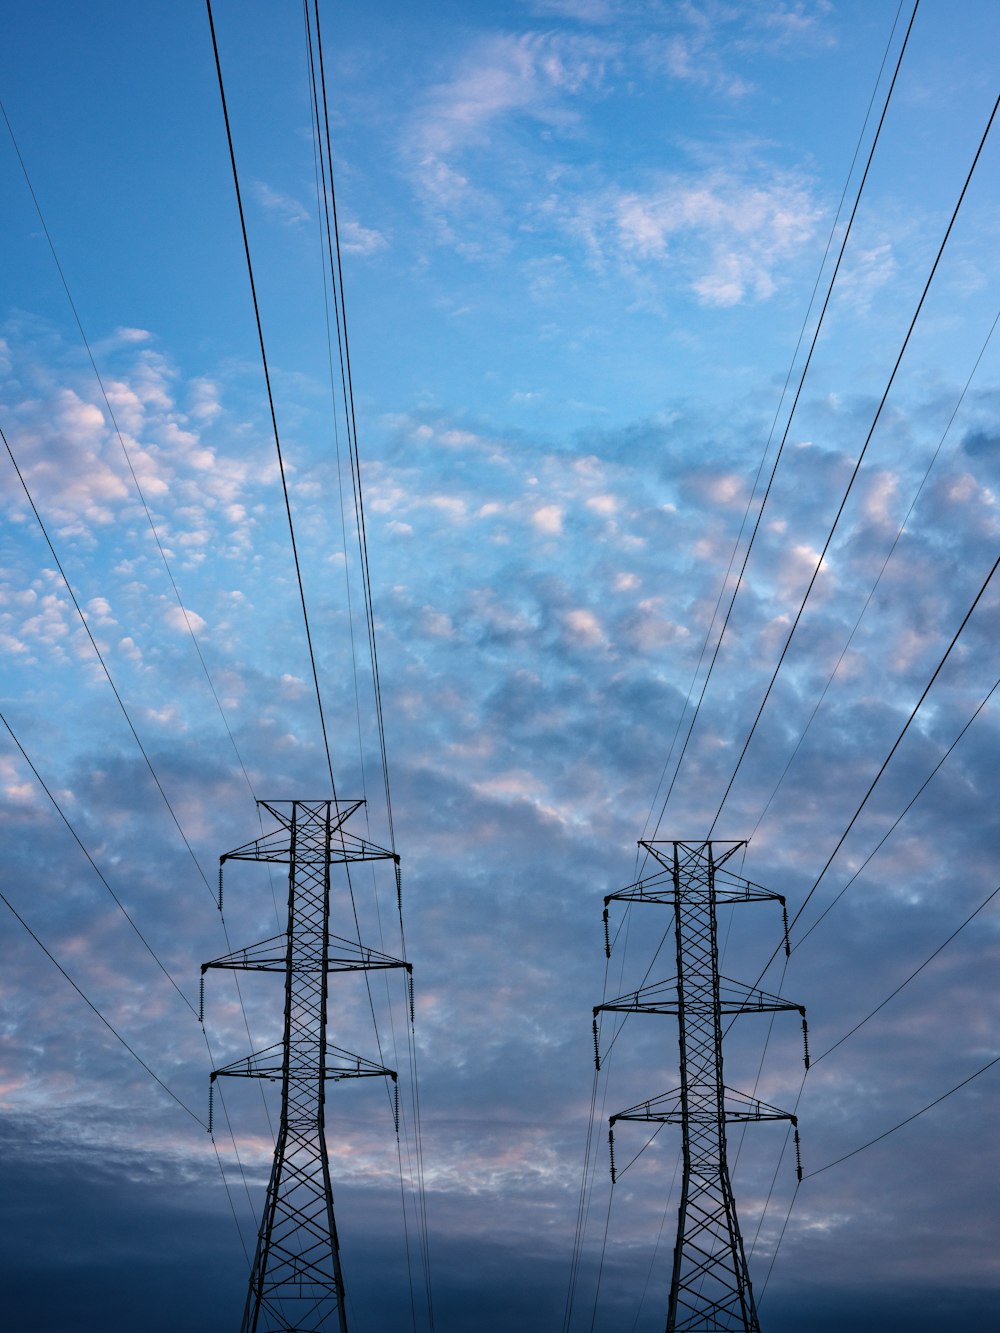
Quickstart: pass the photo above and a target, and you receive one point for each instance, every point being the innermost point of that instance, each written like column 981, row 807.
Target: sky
column 580, row 243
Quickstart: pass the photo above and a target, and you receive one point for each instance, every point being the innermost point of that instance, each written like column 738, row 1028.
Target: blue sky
column 579, row 243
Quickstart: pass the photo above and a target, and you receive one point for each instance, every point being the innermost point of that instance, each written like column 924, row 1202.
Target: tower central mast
column 296, row 1282
column 710, row 1289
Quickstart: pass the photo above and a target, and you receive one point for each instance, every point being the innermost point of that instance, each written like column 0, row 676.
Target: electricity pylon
column 296, row 1282
column 710, row 1290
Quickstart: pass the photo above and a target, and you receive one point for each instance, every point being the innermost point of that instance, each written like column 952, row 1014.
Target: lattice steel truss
column 296, row 1282
column 710, row 1290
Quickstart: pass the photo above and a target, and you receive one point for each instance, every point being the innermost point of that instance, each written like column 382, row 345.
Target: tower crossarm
column 738, row 1109
column 658, row 889
column 271, row 955
column 663, row 997
column 267, row 1064
column 335, row 845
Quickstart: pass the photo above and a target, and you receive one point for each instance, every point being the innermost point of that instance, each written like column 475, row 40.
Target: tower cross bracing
column 296, row 1280
column 710, row 1290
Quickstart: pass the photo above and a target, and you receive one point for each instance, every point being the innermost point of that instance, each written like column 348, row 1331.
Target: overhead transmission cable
column 131, row 725
column 343, row 343
column 125, row 451
column 104, row 665
column 185, row 615
column 916, row 971
column 906, row 981
column 791, row 415
column 94, row 866
column 184, row 612
column 897, row 821
column 270, row 400
column 128, row 917
column 882, row 768
column 110, row 1026
column 899, row 818
column 858, row 462
column 275, row 431
column 896, row 743
column 896, row 540
column 107, row 1022
column 908, row 1121
column 348, row 388
column 285, row 490
column 763, row 459
column 869, row 1144
column 322, row 161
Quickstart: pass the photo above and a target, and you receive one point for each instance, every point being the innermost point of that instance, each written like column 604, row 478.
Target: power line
column 850, row 1033
column 270, row 400
column 885, row 764
column 126, row 715
column 107, row 1023
column 798, row 392
column 333, row 253
column 352, row 437
column 909, row 1120
column 124, row 448
column 898, row 741
column 135, row 480
column 96, row 868
column 899, row 818
column 916, row 972
column 885, row 563
column 104, row 665
column 100, row 874
column 857, row 465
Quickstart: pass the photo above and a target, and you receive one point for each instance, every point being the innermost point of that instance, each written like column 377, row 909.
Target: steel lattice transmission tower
column 710, row 1290
column 296, row 1283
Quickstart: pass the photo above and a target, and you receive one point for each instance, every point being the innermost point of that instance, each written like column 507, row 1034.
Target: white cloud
column 180, row 620
column 358, row 240
column 865, row 272
column 282, row 207
column 584, row 627
column 527, row 74
column 726, row 237
column 127, row 335
column 548, row 519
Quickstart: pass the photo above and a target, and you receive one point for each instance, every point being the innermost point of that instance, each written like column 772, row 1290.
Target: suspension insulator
column 201, row 999
column 211, row 1105
column 399, row 889
column 798, row 1157
column 607, row 937
column 395, row 1104
column 409, row 977
column 784, row 913
column 611, row 1149
column 220, row 886
column 597, row 1050
column 805, row 1040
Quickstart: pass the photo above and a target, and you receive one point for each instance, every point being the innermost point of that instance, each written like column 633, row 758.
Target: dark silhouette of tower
column 710, row 1290
column 296, row 1283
